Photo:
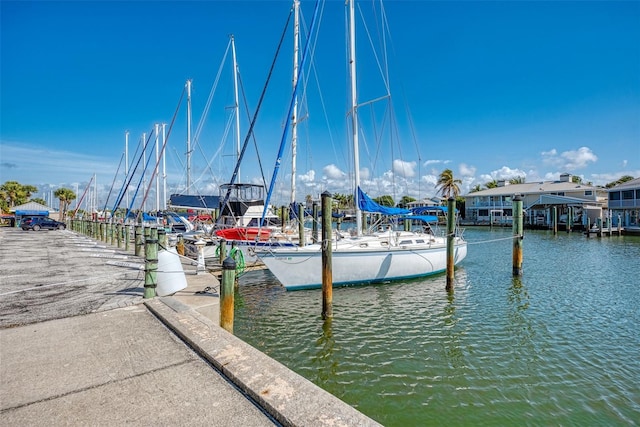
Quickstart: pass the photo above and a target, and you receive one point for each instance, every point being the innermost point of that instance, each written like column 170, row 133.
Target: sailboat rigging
column 376, row 257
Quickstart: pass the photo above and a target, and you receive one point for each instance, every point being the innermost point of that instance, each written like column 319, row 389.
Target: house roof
column 32, row 206
column 532, row 188
column 548, row 200
column 632, row 184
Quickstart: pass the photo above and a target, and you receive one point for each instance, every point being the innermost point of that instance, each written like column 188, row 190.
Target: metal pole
column 151, row 263
column 327, row 272
column 518, row 235
column 451, row 206
column 227, row 294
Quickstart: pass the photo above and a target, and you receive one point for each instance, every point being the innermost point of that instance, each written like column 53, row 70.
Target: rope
column 518, row 236
column 237, row 255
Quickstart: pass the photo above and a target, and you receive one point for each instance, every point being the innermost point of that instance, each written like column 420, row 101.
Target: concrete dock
column 80, row 346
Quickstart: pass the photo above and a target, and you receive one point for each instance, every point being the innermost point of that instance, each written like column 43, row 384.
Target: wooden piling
column 569, row 219
column 555, row 220
column 137, row 240
column 162, row 238
column 151, row 262
column 451, row 208
column 327, row 268
column 518, row 235
column 180, row 246
column 222, row 250
column 146, row 233
column 127, row 230
column 316, row 237
column 301, row 241
column 227, row 299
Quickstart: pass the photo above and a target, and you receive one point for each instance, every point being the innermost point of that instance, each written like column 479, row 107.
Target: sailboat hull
column 359, row 261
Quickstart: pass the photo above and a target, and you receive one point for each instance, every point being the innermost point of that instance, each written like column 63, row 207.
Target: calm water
column 561, row 346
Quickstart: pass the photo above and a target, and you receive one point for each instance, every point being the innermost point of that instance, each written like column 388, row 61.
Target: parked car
column 42, row 223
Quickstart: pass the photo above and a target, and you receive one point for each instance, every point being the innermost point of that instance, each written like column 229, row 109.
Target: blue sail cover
column 368, row 205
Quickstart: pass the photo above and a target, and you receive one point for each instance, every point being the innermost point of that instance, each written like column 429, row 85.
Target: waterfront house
column 578, row 202
column 624, row 206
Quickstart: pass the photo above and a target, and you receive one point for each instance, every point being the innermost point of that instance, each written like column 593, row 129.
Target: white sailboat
column 378, row 257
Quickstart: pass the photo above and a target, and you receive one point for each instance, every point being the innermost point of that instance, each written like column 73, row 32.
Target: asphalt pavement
column 79, row 345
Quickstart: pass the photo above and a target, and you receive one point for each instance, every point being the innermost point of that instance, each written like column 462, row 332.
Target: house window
column 508, row 212
column 638, row 194
column 588, row 192
column 483, row 212
column 627, row 195
column 614, row 195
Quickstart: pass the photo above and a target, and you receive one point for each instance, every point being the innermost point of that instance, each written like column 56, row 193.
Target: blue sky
column 490, row 90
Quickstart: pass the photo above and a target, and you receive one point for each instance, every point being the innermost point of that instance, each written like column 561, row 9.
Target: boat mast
column 188, row 136
column 144, row 170
column 294, row 116
column 354, row 113
column 157, row 126
column 126, row 162
column 237, row 106
column 164, row 167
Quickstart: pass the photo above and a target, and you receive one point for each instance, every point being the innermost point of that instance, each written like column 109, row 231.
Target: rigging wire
column 255, row 116
column 164, row 145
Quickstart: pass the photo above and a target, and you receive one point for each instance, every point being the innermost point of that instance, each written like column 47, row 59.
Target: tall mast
column 354, row 113
column 144, row 169
column 188, row 136
column 294, row 116
column 157, row 126
column 126, row 162
column 164, row 167
column 237, row 103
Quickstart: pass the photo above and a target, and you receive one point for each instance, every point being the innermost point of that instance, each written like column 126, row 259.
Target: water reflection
column 324, row 360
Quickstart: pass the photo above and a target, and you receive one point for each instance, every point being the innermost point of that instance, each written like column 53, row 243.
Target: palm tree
column 517, row 180
column 491, row 184
column 478, row 187
column 448, row 185
column 14, row 193
column 65, row 196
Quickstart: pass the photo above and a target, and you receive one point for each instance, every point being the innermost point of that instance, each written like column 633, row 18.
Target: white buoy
column 171, row 278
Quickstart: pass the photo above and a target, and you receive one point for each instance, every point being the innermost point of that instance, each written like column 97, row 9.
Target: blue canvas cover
column 368, row 205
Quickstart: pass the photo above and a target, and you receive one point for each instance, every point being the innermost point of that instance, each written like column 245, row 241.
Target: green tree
column 13, row 193
column 622, row 180
column 65, row 196
column 39, row 200
column 517, row 180
column 447, row 185
column 491, row 184
column 478, row 187
column 404, row 202
column 385, row 200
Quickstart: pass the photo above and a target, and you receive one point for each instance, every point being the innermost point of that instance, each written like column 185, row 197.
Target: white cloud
column 404, row 169
column 333, row 172
column 466, row 171
column 569, row 160
column 435, row 162
column 504, row 172
column 310, row 176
